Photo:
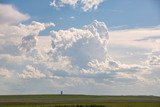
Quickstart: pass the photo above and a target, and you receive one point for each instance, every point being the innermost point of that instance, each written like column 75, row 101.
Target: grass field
column 78, row 101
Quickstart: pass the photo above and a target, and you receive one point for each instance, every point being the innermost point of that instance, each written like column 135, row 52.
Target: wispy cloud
column 72, row 17
column 10, row 15
column 129, row 37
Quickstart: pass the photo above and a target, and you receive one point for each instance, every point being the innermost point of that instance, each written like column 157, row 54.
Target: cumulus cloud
column 10, row 33
column 90, row 4
column 86, row 5
column 31, row 72
column 153, row 59
column 72, row 35
column 72, row 57
column 34, row 28
column 18, row 46
column 112, row 71
column 61, row 3
column 86, row 49
column 75, row 53
column 29, row 42
column 5, row 73
column 69, row 37
column 10, row 15
column 20, row 39
column 81, row 44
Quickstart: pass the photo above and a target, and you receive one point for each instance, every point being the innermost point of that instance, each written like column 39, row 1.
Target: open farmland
column 78, row 101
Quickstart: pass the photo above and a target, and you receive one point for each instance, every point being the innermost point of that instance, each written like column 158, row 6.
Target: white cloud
column 153, row 59
column 141, row 39
column 72, row 17
column 70, row 58
column 62, row 3
column 104, row 66
column 21, row 38
column 10, row 15
column 90, row 4
column 11, row 32
column 69, row 37
column 134, row 37
column 72, row 35
column 81, row 45
column 87, row 50
column 130, row 77
column 29, row 42
column 86, row 5
column 31, row 72
column 59, row 63
column 5, row 73
column 34, row 28
column 111, row 71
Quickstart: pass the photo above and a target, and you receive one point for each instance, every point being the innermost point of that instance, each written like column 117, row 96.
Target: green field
column 78, row 101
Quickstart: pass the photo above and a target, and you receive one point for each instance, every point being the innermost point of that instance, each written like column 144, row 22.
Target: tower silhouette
column 61, row 92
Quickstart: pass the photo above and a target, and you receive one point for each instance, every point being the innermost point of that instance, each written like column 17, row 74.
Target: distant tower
column 61, row 92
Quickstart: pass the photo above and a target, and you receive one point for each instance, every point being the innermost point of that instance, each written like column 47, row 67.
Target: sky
column 101, row 47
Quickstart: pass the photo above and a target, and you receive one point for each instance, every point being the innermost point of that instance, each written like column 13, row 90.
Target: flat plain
column 78, row 101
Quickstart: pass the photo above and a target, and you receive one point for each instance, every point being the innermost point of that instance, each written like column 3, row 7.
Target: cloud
column 17, row 39
column 86, row 5
column 10, row 15
column 82, row 53
column 68, row 58
column 5, row 73
column 12, row 32
column 29, row 42
column 81, row 44
column 86, row 49
column 72, row 17
column 62, row 3
column 134, row 37
column 153, row 59
column 110, row 71
column 141, row 39
column 35, row 27
column 152, row 38
column 31, row 72
column 90, row 4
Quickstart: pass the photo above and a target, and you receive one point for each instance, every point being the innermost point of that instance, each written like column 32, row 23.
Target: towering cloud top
column 99, row 28
column 81, row 45
column 65, row 38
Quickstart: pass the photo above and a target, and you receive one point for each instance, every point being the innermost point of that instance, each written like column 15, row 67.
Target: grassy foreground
column 78, row 101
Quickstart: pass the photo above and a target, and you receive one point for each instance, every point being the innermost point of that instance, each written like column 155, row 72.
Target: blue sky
column 131, row 13
column 80, row 47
